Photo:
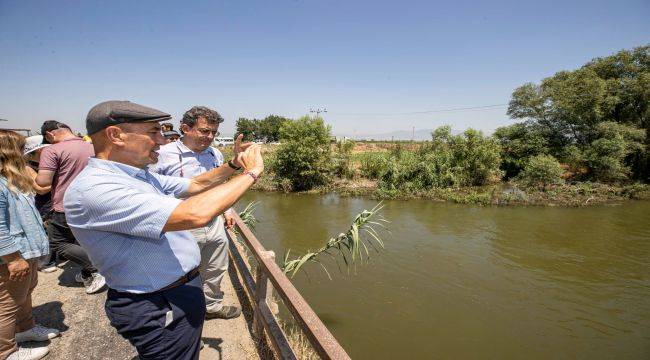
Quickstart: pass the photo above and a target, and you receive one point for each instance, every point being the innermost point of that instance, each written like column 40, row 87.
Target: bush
column 303, row 158
column 518, row 143
column 542, row 170
column 374, row 164
column 470, row 159
column 341, row 159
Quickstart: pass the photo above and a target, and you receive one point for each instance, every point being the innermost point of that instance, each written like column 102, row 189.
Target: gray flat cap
column 116, row 112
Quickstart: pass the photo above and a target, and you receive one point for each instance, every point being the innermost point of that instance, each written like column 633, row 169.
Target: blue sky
column 254, row 58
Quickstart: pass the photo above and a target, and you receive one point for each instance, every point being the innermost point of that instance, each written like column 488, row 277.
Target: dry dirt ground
column 61, row 303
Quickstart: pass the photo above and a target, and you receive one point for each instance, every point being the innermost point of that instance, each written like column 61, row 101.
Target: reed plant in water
column 353, row 246
column 247, row 215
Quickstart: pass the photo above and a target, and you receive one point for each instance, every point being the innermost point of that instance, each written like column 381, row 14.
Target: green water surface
column 469, row 282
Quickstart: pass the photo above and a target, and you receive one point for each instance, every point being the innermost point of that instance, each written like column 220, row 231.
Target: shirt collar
column 117, row 167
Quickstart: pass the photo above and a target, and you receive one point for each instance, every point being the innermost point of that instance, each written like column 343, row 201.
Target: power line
column 426, row 112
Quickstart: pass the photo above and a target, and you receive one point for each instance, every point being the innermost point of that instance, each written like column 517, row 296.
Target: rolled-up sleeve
column 119, row 209
column 8, row 244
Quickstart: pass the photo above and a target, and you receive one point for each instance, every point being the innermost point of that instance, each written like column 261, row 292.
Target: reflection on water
column 477, row 282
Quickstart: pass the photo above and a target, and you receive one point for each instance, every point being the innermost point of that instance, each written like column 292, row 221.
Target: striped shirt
column 117, row 213
column 176, row 159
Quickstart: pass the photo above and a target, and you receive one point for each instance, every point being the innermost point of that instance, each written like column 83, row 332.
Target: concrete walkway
column 61, row 303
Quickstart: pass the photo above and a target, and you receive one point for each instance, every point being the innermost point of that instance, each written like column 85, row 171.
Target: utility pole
column 413, row 135
column 317, row 111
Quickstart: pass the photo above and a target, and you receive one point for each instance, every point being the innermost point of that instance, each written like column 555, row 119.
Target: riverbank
column 502, row 194
column 569, row 194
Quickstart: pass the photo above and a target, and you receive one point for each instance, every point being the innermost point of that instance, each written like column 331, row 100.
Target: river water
column 463, row 282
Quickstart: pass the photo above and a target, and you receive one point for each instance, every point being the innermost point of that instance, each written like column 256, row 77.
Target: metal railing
column 269, row 276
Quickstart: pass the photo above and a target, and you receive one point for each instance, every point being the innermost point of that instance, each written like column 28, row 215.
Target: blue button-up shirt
column 176, row 159
column 117, row 213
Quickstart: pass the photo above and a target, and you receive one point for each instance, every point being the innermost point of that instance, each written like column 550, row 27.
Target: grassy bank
column 499, row 193
column 504, row 194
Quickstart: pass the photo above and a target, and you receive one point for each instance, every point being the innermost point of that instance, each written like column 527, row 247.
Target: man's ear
column 114, row 135
column 184, row 128
column 49, row 136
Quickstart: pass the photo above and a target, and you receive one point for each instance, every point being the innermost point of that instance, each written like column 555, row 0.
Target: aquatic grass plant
column 247, row 215
column 353, row 246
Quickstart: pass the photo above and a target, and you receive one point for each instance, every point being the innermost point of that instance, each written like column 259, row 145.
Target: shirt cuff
column 157, row 222
column 184, row 186
column 8, row 246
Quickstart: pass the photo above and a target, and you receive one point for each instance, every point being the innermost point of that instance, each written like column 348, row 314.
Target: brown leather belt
column 183, row 279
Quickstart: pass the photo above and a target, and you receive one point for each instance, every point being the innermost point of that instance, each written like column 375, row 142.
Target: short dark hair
column 167, row 126
column 192, row 115
column 50, row 125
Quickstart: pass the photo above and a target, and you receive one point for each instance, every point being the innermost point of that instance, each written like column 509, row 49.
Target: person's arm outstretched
column 198, row 210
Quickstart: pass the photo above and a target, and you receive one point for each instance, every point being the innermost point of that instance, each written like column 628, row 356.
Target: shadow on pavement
column 50, row 315
column 66, row 277
column 214, row 343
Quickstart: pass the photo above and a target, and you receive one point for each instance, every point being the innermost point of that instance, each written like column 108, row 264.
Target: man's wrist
column 11, row 257
column 232, row 165
column 252, row 174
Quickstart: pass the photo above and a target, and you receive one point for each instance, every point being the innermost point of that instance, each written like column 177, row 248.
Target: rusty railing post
column 263, row 292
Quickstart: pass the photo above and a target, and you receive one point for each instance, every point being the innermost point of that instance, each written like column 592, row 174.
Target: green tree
column 249, row 127
column 269, row 128
column 606, row 156
column 303, row 158
column 569, row 106
column 518, row 143
column 627, row 76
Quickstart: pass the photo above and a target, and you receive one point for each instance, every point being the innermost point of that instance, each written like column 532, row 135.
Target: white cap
column 34, row 143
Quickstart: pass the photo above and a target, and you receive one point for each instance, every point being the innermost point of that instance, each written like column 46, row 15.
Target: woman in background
column 22, row 242
column 43, row 198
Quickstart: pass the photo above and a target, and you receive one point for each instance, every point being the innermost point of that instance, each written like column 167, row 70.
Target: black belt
column 182, row 280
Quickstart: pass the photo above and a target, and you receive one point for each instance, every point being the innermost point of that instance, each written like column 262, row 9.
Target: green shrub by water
column 542, row 170
column 373, row 165
column 470, row 159
column 341, row 159
column 303, row 160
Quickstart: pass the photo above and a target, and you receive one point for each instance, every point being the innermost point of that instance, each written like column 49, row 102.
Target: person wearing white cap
column 43, row 198
column 32, row 154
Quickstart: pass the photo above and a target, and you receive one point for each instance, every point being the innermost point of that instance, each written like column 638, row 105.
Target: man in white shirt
column 190, row 157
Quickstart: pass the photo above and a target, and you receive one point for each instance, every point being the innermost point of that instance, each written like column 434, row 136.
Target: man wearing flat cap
column 133, row 225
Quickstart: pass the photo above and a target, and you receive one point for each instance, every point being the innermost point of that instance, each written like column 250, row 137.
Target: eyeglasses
column 205, row 131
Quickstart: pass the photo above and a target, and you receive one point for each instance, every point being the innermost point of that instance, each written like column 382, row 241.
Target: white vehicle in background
column 223, row 141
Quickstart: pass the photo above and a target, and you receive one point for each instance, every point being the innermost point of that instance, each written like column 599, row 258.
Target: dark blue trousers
column 162, row 325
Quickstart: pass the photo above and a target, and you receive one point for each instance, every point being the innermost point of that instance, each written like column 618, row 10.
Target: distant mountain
column 418, row 135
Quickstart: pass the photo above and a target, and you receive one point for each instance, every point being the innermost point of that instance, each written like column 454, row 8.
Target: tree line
column 589, row 124
column 267, row 129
